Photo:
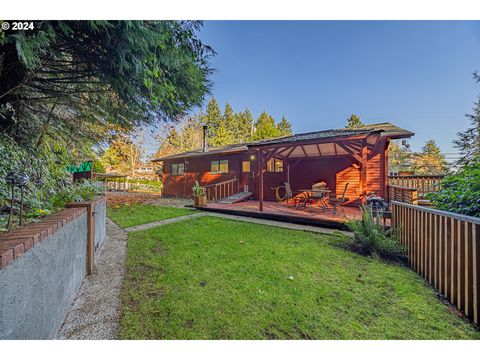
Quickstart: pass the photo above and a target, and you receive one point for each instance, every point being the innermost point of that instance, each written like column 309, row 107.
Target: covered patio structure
column 353, row 163
column 355, row 160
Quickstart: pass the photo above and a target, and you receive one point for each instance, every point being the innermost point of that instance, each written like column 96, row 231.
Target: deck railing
column 423, row 183
column 403, row 194
column 444, row 248
column 222, row 189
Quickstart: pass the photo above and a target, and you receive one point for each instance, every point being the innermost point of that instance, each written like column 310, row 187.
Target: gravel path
column 95, row 312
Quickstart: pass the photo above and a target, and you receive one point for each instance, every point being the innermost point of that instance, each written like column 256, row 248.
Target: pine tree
column 354, row 121
column 212, row 118
column 265, row 127
column 468, row 141
column 284, row 127
column 430, row 161
column 245, row 124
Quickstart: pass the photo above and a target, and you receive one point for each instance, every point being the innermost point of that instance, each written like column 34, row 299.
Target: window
column 245, row 166
column 219, row 166
column 178, row 169
column 275, row 165
column 278, row 165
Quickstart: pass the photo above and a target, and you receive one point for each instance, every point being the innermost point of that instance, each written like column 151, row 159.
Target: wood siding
column 335, row 171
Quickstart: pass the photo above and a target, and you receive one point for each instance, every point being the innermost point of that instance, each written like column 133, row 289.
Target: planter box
column 200, row 201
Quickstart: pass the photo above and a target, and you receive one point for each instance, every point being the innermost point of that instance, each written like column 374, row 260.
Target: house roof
column 386, row 130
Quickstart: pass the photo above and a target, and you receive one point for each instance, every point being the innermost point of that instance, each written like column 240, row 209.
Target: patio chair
column 338, row 202
column 290, row 196
column 322, row 185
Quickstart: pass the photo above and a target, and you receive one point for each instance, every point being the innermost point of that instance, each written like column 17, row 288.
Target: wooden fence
column 423, row 183
column 122, row 185
column 403, row 194
column 444, row 248
column 222, row 189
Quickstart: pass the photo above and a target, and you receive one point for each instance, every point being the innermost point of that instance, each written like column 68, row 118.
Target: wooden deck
column 312, row 215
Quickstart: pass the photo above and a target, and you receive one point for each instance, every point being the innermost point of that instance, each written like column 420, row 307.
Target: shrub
column 372, row 238
column 76, row 192
column 46, row 167
column 460, row 192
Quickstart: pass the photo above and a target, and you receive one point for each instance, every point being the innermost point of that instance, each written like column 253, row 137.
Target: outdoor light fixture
column 252, row 157
column 22, row 181
column 19, row 179
column 10, row 180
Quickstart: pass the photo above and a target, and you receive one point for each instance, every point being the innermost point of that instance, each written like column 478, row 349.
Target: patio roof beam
column 350, row 151
column 260, row 180
column 304, row 152
column 363, row 172
column 374, row 146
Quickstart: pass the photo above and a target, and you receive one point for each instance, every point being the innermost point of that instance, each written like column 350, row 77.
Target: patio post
column 260, row 180
column 363, row 172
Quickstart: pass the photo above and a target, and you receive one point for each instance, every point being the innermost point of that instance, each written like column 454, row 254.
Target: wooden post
column 385, row 164
column 90, row 206
column 288, row 171
column 260, row 180
column 363, row 173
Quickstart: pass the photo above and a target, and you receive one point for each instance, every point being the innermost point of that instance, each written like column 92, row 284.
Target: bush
column 45, row 165
column 372, row 238
column 81, row 191
column 460, row 192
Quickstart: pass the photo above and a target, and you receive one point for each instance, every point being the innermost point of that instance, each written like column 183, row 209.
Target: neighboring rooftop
column 386, row 130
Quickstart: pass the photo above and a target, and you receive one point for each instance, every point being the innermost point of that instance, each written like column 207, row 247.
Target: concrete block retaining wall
column 41, row 268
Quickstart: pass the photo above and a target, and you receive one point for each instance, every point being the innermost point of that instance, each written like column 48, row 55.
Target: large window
column 275, row 165
column 219, row 166
column 245, row 166
column 178, row 169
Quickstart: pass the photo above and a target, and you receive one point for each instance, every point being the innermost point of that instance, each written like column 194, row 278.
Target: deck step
column 235, row 198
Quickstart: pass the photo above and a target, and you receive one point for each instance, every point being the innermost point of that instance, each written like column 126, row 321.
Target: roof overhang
column 335, row 142
column 220, row 150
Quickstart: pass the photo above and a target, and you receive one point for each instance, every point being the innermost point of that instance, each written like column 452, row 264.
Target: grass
column 136, row 214
column 211, row 278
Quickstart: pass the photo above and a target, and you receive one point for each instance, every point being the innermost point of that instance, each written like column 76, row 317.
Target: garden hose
column 278, row 197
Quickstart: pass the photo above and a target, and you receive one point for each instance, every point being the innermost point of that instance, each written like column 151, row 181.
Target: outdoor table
column 322, row 195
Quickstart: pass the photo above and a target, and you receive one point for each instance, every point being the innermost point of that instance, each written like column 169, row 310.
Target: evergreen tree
column 212, row 118
column 265, row 127
column 354, row 121
column 284, row 127
column 245, row 125
column 430, row 161
column 109, row 74
column 468, row 141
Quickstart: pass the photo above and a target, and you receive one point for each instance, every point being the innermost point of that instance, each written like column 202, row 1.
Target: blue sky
column 417, row 75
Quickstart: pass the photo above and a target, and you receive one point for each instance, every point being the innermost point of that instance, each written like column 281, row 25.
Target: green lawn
column 137, row 214
column 211, row 278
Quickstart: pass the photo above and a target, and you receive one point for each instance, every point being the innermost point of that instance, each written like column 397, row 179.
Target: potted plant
column 199, row 195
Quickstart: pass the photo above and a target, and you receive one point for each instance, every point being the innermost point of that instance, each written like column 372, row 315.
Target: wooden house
column 355, row 156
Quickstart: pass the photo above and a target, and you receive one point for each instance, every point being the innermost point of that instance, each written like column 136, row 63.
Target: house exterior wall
column 335, row 171
column 198, row 168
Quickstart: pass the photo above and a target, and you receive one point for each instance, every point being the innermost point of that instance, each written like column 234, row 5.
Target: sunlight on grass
column 211, row 278
column 137, row 214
